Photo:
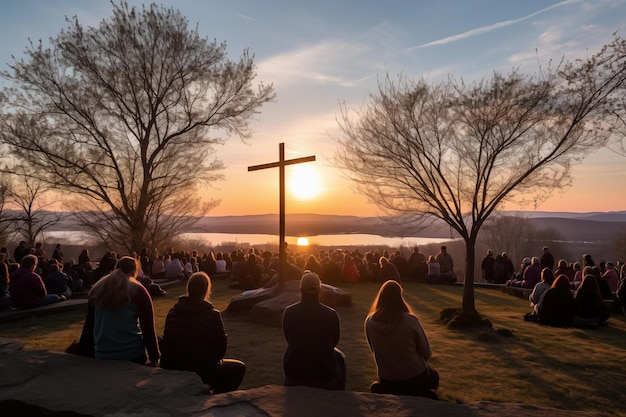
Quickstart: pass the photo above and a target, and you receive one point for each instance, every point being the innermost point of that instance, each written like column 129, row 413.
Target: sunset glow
column 304, row 181
column 303, row 241
column 329, row 56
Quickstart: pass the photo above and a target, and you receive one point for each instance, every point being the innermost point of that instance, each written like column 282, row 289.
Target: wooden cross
column 282, row 251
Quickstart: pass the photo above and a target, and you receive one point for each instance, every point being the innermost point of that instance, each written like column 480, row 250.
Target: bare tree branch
column 121, row 115
column 457, row 151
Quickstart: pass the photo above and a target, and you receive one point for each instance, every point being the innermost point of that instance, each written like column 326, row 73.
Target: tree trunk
column 469, row 305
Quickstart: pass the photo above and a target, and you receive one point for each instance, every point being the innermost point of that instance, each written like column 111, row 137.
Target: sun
column 304, row 181
column 303, row 241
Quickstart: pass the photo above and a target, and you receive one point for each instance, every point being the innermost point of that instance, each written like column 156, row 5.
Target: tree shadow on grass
column 566, row 379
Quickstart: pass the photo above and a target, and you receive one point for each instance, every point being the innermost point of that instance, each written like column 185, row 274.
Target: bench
column 518, row 292
column 12, row 314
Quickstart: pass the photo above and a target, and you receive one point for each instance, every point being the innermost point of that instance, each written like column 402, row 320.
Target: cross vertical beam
column 282, row 246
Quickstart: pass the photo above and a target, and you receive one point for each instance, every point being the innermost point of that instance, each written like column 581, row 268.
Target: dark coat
column 57, row 282
column 487, row 265
column 194, row 338
column 556, row 307
column 312, row 332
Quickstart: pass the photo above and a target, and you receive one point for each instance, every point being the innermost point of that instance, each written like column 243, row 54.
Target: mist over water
column 216, row 239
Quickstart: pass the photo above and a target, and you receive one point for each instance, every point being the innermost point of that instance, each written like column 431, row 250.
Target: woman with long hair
column 556, row 306
column 399, row 345
column 195, row 339
column 590, row 309
column 117, row 303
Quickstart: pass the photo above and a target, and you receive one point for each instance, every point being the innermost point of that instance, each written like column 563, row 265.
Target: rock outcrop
column 58, row 381
column 266, row 305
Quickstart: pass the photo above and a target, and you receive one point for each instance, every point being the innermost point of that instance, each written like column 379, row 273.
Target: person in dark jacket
column 57, row 282
column 547, row 260
column 503, row 269
column 487, row 266
column 556, row 307
column 195, row 339
column 312, row 332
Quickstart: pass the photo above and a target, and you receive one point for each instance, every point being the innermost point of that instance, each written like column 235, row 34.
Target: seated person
column 251, row 274
column 556, row 307
column 57, row 282
column 399, row 345
column 27, row 288
column 174, row 269
column 120, row 318
column 195, row 340
column 611, row 278
column 158, row 267
column 312, row 332
column 590, row 309
column 532, row 274
column 547, row 278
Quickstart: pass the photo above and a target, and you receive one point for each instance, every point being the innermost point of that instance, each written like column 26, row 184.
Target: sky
column 321, row 53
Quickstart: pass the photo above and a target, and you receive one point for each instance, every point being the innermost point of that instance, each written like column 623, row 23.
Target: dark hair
column 589, row 289
column 547, row 275
column 128, row 265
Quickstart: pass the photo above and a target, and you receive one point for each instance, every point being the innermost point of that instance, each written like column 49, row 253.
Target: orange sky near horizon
column 595, row 187
column 321, row 55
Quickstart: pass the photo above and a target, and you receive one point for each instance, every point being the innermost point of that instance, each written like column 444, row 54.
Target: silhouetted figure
column 195, row 340
column 312, row 331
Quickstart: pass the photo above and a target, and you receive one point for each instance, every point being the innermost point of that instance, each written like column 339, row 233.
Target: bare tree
column 121, row 117
column 456, row 151
column 33, row 215
column 511, row 234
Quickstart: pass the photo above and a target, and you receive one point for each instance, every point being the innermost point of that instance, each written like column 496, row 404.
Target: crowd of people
column 564, row 293
column 31, row 278
column 120, row 322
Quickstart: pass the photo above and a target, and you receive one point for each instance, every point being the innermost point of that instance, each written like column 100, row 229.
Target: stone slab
column 59, row 381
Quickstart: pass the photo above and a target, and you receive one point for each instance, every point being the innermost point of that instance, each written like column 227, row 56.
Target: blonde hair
column 199, row 286
column 389, row 304
column 116, row 289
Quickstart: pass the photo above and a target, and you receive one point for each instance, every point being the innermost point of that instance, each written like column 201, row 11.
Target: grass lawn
column 564, row 368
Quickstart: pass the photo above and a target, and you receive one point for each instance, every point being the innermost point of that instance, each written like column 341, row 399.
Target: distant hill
column 595, row 226
column 309, row 225
column 610, row 216
column 581, row 230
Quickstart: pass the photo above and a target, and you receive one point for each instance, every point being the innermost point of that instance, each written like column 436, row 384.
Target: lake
column 215, row 239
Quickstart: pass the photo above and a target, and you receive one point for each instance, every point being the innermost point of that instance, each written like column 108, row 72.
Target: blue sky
column 320, row 53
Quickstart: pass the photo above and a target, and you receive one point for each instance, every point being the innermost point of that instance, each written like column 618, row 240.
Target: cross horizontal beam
column 282, row 163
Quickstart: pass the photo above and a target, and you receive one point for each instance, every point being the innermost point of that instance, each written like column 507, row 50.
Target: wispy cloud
column 492, row 27
column 329, row 62
column 243, row 16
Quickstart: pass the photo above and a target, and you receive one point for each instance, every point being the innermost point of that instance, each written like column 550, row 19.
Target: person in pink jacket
column 610, row 275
